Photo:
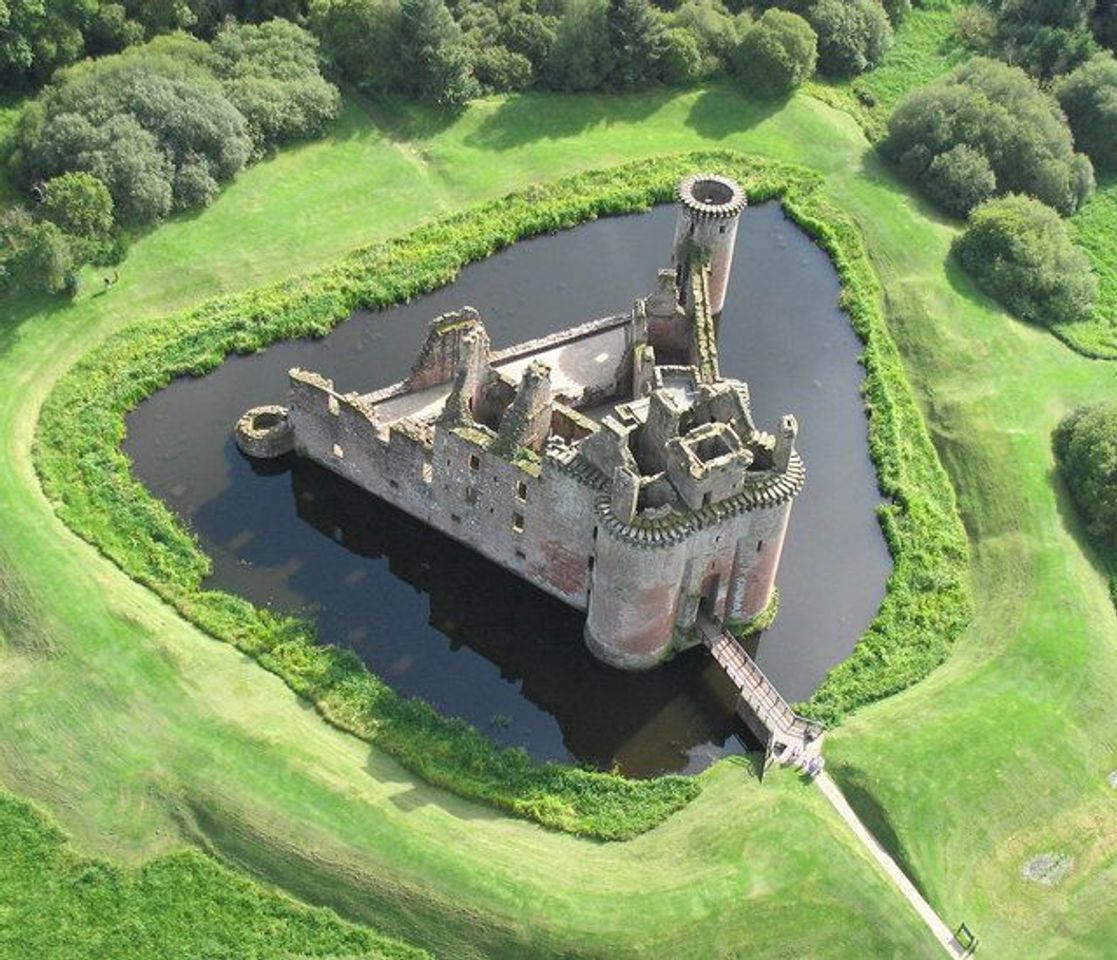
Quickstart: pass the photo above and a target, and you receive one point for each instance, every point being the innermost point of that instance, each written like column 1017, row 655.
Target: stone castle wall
column 668, row 504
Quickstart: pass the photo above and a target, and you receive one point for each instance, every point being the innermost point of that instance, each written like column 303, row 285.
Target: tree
column 635, row 41
column 1088, row 97
column 1018, row 251
column 79, row 204
column 359, row 40
column 716, row 31
column 581, row 57
column 1045, row 37
column 435, row 61
column 853, row 35
column 776, row 55
column 531, row 35
column 680, row 59
column 270, row 73
column 47, row 262
column 1085, row 443
column 1000, row 113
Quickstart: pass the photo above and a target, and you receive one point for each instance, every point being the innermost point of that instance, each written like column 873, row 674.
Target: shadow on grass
column 856, row 787
column 716, row 113
column 19, row 306
column 530, row 117
column 415, row 795
column 1102, row 556
column 720, row 111
column 394, row 116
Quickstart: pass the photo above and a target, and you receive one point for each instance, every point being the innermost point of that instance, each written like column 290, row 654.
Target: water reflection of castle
column 610, row 465
column 647, row 721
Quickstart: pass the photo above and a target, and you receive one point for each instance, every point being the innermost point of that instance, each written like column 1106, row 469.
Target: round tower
column 710, row 208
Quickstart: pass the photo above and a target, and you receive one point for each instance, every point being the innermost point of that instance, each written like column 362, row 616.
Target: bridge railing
column 756, row 689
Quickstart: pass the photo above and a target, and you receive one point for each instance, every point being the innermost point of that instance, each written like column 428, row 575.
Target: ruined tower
column 710, row 208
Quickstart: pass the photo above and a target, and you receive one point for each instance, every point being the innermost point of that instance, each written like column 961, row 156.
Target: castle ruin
column 610, row 465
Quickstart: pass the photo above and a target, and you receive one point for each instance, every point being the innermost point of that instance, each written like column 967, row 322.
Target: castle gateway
column 611, row 464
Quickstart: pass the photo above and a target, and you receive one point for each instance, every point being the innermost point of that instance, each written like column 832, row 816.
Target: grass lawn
column 60, row 905
column 137, row 732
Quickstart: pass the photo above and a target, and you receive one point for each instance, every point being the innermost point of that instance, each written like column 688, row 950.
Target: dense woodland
column 139, row 109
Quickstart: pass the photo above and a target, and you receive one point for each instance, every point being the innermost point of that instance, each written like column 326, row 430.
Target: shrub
column 131, row 120
column 897, row 10
column 194, row 185
column 853, row 35
column 960, row 179
column 1000, row 113
column 1089, row 99
column 1018, row 250
column 1085, row 443
column 776, row 55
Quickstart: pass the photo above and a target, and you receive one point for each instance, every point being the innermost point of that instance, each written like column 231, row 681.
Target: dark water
column 439, row 622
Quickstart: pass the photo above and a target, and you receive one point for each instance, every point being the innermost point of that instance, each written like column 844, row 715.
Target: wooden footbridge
column 786, row 735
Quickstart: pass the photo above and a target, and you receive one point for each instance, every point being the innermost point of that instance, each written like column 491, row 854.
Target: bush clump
column 853, row 35
column 1085, row 443
column 124, row 140
column 1019, row 251
column 1002, row 117
column 1088, row 97
column 776, row 55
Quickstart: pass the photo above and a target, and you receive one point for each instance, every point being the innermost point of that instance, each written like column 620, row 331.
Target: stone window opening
column 521, row 490
column 427, row 473
column 338, row 452
column 589, row 563
column 521, row 555
column 394, row 484
column 471, row 495
column 518, row 522
column 759, row 545
column 474, row 462
column 455, row 518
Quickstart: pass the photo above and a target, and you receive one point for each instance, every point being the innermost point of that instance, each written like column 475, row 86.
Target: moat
column 438, row 621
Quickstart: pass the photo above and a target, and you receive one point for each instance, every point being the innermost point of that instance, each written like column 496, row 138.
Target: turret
column 710, row 209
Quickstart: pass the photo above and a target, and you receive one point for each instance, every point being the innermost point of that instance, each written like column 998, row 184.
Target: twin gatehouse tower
column 610, row 465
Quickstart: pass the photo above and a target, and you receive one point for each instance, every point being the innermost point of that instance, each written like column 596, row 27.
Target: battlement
column 567, row 458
